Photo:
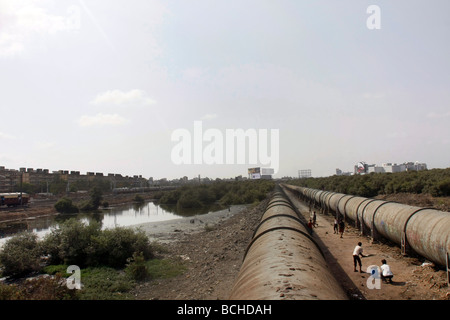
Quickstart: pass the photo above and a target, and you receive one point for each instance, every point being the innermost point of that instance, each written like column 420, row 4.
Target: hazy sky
column 101, row 85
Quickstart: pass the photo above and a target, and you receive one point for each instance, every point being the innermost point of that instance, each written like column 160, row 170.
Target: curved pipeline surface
column 283, row 261
column 423, row 230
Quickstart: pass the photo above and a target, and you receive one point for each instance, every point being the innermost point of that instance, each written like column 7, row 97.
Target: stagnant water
column 120, row 216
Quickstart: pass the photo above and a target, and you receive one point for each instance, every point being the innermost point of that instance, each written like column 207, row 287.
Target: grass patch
column 165, row 268
column 105, row 284
column 101, row 282
column 53, row 269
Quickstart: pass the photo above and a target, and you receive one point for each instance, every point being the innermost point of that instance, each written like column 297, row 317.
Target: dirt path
column 411, row 279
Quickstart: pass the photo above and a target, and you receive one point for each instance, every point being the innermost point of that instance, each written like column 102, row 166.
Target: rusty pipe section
column 423, row 230
column 283, row 261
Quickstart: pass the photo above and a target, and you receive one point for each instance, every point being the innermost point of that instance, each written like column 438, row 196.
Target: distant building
column 305, row 173
column 388, row 167
column 10, row 179
column 339, row 172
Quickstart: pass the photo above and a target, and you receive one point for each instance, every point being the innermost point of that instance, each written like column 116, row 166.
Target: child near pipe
column 358, row 251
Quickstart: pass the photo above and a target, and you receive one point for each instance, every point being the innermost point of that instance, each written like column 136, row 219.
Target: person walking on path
column 335, row 227
column 341, row 227
column 358, row 251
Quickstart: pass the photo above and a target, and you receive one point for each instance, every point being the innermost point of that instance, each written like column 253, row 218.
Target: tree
column 65, row 205
column 96, row 197
column 20, row 255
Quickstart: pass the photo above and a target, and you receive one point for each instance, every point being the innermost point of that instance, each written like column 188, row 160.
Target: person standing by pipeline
column 314, row 218
column 341, row 227
column 358, row 251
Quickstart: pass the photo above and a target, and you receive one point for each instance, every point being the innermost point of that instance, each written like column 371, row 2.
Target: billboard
column 254, row 171
column 260, row 173
column 361, row 167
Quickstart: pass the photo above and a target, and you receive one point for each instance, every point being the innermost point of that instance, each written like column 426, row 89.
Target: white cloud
column 24, row 20
column 102, row 120
column 118, row 97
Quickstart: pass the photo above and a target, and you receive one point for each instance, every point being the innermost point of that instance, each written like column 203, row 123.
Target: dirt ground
column 211, row 247
column 213, row 257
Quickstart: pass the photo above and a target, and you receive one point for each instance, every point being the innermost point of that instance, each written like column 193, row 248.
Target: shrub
column 138, row 198
column 87, row 206
column 189, row 199
column 444, row 187
column 94, row 202
column 435, row 182
column 170, row 197
column 113, row 247
column 87, row 245
column 71, row 243
column 47, row 288
column 65, row 205
column 10, row 292
column 136, row 267
column 20, row 255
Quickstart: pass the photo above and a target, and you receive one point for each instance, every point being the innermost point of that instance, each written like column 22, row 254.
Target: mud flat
column 170, row 230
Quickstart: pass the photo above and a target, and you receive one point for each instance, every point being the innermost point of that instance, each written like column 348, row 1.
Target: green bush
column 189, row 199
column 112, row 247
column 94, row 201
column 20, row 255
column 435, row 182
column 65, row 205
column 87, row 206
column 71, row 243
column 10, row 292
column 138, row 198
column 444, row 187
column 171, row 197
column 227, row 193
column 87, row 245
column 47, row 288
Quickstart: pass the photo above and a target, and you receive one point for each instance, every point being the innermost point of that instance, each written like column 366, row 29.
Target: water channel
column 120, row 216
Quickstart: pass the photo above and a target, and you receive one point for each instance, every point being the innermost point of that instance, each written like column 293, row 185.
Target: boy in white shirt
column 356, row 253
column 386, row 272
